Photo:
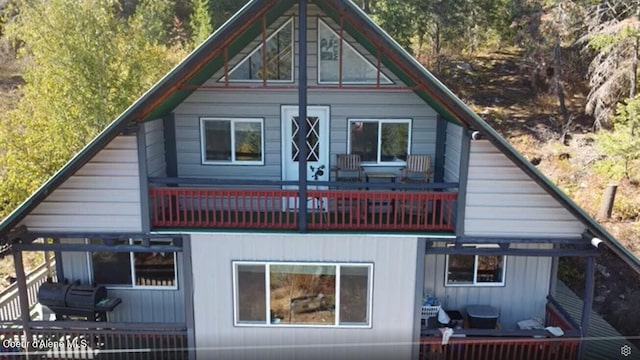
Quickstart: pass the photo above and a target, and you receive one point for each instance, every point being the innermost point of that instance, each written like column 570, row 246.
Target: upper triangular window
column 356, row 69
column 279, row 59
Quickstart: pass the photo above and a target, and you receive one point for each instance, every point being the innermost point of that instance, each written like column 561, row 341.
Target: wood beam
column 512, row 252
column 95, row 247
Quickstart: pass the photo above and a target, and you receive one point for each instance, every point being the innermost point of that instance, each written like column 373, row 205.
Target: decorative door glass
column 312, row 139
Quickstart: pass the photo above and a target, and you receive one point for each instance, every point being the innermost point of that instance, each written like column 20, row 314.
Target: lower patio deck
column 93, row 340
column 479, row 344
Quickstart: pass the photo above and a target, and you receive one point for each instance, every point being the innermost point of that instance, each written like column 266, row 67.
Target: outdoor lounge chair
column 348, row 168
column 418, row 169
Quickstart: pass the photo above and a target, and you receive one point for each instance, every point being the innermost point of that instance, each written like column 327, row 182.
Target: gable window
column 302, row 294
column 478, row 270
column 380, row 141
column 134, row 270
column 232, row 141
column 278, row 59
column 354, row 67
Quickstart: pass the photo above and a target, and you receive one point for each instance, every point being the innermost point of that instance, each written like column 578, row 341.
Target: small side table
column 389, row 176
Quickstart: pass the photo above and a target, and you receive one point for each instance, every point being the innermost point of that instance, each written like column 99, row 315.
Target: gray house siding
column 104, row 195
column 453, row 153
column 503, row 201
column 267, row 105
column 138, row 305
column 394, row 277
column 522, row 296
column 154, row 136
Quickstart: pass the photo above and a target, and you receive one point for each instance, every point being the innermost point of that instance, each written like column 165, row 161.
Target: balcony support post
column 589, row 285
column 302, row 116
column 23, row 297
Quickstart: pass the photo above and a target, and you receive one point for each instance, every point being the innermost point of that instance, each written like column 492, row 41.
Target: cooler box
column 482, row 316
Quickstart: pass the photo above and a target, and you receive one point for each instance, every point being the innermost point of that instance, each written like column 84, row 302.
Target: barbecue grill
column 75, row 300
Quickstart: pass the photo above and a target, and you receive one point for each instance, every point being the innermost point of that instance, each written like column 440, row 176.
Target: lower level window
column 134, row 269
column 476, row 270
column 302, row 294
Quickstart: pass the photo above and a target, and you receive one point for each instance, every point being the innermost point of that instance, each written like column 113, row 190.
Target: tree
column 622, row 144
column 87, row 66
column 200, row 22
column 613, row 34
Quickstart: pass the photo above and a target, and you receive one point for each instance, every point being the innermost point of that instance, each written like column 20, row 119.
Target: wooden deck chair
column 348, row 168
column 418, row 169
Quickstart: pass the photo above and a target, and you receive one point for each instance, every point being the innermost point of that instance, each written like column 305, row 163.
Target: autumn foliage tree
column 86, row 65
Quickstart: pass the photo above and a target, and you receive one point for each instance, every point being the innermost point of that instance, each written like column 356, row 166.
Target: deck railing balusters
column 328, row 209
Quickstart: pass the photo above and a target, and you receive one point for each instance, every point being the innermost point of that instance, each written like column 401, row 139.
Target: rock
column 599, row 299
column 536, row 160
column 622, row 297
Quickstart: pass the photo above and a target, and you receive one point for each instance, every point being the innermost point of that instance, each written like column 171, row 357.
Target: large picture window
column 380, row 141
column 278, row 59
column 476, row 270
column 232, row 141
column 302, row 294
column 354, row 68
column 135, row 270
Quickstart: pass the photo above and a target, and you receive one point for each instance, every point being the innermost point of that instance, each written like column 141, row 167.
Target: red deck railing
column 279, row 209
column 499, row 348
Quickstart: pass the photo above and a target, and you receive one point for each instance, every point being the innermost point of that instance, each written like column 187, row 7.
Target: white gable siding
column 104, row 195
column 503, row 201
column 522, row 296
column 394, row 303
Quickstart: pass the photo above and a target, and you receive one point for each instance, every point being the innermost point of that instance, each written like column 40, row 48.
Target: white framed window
column 302, row 294
column 355, row 68
column 279, row 59
column 148, row 270
column 380, row 141
column 232, row 141
column 475, row 270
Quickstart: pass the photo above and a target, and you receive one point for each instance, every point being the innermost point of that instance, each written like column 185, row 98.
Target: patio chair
column 348, row 168
column 418, row 169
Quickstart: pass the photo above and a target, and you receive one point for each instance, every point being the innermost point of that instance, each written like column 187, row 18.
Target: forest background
column 557, row 78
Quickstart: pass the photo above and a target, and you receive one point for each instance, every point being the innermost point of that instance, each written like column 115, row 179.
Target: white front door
column 317, row 142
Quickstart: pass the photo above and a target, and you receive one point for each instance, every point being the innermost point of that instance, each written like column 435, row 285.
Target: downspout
column 302, row 115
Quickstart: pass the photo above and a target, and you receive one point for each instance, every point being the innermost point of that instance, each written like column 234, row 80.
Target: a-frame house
column 227, row 227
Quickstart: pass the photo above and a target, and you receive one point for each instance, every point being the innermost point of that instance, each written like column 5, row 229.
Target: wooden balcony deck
column 377, row 210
